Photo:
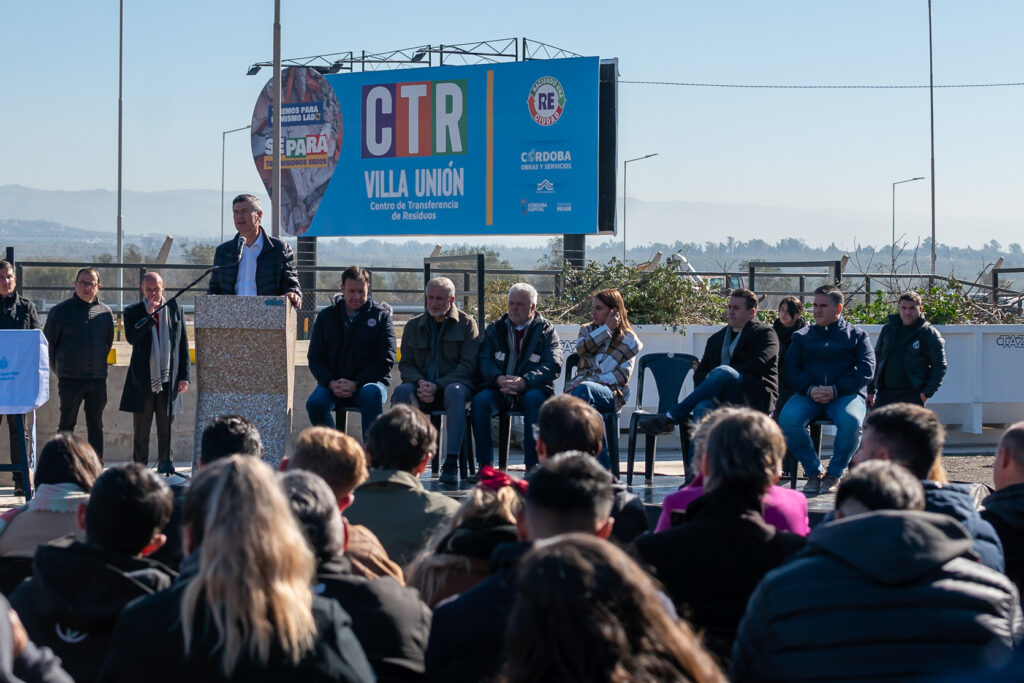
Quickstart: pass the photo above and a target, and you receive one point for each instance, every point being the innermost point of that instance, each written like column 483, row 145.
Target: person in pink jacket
column 784, row 509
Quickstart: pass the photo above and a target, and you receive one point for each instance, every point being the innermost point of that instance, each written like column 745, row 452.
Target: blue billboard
column 468, row 150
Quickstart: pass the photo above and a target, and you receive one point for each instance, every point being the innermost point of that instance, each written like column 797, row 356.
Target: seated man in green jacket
column 392, row 503
column 438, row 365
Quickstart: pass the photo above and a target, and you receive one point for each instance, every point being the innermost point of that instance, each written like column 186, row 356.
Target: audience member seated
column 784, row 508
column 244, row 609
column 1004, row 509
column 887, row 591
column 520, row 359
column 828, row 367
column 620, row 630
column 458, row 556
column 566, row 423
column 390, row 621
column 76, row 592
column 20, row 660
column 438, row 366
column 712, row 561
column 225, row 435
column 566, row 493
column 607, row 348
column 339, row 460
column 913, row 436
column 392, row 503
column 65, row 472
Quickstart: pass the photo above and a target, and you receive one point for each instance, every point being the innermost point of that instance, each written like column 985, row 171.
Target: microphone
column 241, row 245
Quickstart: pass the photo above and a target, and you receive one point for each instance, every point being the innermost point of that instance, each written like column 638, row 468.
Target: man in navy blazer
column 253, row 263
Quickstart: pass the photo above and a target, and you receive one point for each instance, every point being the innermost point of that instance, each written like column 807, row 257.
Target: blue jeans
column 489, row 402
column 603, row 400
column 452, row 399
column 847, row 414
column 722, row 385
column 369, row 399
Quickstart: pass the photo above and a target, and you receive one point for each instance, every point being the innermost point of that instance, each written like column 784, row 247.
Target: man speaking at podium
column 254, row 263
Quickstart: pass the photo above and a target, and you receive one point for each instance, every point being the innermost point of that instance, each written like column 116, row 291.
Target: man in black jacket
column 77, row 590
column 1004, row 509
column 740, row 365
column 567, row 424
column 351, row 353
column 520, row 357
column 158, row 372
column 567, row 493
column 16, row 313
column 910, row 356
column 253, row 263
column 391, row 622
column 80, row 331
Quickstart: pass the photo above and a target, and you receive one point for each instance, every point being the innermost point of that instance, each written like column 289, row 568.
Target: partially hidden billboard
column 465, row 150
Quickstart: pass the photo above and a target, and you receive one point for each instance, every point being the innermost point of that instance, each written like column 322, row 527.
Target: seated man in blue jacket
column 828, row 365
column 351, row 353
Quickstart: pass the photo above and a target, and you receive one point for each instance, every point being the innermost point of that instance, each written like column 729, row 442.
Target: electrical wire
column 822, row 87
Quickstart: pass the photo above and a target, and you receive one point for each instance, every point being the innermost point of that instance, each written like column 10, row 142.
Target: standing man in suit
column 740, row 365
column 158, row 372
column 253, row 263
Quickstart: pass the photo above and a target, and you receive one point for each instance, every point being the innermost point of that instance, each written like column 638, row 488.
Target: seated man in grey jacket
column 438, row 366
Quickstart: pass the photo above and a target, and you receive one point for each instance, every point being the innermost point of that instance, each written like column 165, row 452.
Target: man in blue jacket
column 828, row 365
column 351, row 353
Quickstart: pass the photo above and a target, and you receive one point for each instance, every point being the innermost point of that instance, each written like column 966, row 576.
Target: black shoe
column 165, row 467
column 449, row 473
column 656, row 425
column 19, row 491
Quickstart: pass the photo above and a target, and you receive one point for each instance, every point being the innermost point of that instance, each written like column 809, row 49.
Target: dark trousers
column 886, row 396
column 155, row 405
column 12, row 426
column 93, row 392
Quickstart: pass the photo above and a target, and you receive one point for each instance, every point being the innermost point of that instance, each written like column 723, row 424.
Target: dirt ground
column 969, row 467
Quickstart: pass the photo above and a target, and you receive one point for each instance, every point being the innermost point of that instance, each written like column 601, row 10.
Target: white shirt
column 245, row 282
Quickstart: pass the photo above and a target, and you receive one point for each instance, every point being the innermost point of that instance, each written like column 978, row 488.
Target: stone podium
column 245, row 365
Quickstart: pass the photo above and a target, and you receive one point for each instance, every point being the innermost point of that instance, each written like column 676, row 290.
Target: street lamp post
column 223, row 139
column 892, row 248
column 625, row 168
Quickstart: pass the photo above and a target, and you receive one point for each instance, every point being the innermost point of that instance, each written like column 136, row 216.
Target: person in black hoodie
column 566, row 493
column 911, row 357
column 1004, row 509
column 568, row 424
column 390, row 620
column 77, row 589
column 711, row 562
column 351, row 353
column 790, row 320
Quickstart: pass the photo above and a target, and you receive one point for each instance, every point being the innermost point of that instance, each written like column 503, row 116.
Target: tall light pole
column 892, row 248
column 120, row 129
column 931, row 104
column 625, row 168
column 223, row 139
column 275, row 193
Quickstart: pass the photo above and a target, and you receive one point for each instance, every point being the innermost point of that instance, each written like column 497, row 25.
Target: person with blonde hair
column 244, row 608
column 457, row 557
column 607, row 349
column 586, row 612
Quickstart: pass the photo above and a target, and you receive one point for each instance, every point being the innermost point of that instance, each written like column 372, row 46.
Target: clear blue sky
column 839, row 150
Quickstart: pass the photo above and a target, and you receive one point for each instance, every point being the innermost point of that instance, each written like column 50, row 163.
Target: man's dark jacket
column 467, row 637
column 136, row 383
column 629, row 514
column 837, row 355
column 390, row 620
column 924, row 356
column 1004, row 510
column 80, row 335
column 275, row 268
column 460, row 344
column 889, row 595
column 148, row 645
column 18, row 313
column 539, row 364
column 957, row 501
column 74, row 597
column 362, row 350
column 756, row 358
column 711, row 563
